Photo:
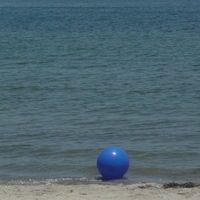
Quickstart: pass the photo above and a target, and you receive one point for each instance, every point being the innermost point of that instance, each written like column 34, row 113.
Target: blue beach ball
column 113, row 163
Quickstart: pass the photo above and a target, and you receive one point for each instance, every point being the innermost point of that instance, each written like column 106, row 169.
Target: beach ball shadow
column 113, row 163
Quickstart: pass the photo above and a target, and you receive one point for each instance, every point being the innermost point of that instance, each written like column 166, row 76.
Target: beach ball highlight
column 113, row 163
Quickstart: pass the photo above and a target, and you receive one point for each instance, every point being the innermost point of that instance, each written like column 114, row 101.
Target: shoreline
column 91, row 191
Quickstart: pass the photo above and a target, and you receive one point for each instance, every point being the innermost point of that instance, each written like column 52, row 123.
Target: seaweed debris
column 180, row 185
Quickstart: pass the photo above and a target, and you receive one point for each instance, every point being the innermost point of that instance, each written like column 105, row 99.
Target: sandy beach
column 136, row 191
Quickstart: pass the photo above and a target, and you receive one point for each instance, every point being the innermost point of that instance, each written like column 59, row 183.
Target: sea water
column 77, row 77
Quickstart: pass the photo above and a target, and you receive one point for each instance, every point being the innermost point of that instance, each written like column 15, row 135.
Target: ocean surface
column 77, row 77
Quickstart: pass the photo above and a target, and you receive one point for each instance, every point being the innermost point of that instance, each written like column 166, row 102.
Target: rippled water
column 76, row 78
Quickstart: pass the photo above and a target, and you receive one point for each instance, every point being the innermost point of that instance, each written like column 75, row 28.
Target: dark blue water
column 77, row 77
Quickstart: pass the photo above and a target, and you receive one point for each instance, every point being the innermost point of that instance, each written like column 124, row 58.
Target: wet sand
column 136, row 191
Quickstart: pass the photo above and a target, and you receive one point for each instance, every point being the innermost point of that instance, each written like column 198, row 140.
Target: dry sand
column 136, row 191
